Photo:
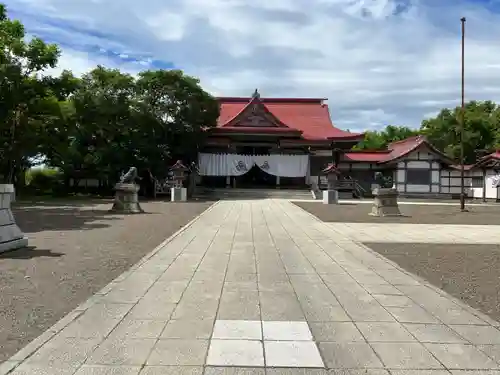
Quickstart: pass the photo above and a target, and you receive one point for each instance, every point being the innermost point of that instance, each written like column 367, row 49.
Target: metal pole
column 462, row 124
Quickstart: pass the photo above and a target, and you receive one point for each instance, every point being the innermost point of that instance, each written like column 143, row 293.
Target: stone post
column 331, row 195
column 385, row 202
column 11, row 236
column 178, row 193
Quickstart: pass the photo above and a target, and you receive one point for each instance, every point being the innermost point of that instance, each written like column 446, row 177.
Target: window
column 418, row 176
column 476, row 182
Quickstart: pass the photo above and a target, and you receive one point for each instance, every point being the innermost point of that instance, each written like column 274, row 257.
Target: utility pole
column 462, row 124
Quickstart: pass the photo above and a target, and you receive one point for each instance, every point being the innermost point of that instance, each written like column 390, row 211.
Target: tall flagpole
column 462, row 124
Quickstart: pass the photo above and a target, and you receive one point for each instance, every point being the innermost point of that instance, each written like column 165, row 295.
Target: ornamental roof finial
column 256, row 94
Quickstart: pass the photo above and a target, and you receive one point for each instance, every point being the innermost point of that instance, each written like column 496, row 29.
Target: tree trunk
column 11, row 161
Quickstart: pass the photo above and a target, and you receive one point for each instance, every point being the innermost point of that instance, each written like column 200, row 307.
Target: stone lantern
column 331, row 194
column 178, row 193
column 11, row 236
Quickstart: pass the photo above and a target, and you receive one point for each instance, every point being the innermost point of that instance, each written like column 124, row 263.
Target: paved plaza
column 263, row 287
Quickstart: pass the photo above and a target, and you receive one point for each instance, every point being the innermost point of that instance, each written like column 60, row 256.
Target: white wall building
column 419, row 169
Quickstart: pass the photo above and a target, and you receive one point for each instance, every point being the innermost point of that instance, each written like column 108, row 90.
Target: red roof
column 395, row 151
column 309, row 118
column 495, row 157
column 366, row 156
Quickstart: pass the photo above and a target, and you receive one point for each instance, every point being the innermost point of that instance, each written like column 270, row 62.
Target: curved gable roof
column 311, row 117
column 396, row 151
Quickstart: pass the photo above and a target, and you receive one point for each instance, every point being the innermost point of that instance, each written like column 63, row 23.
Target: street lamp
column 462, row 124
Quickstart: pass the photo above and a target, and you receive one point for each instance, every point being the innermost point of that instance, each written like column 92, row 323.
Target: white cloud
column 378, row 61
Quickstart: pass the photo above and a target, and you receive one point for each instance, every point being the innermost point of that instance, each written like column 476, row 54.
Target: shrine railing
column 163, row 186
column 348, row 185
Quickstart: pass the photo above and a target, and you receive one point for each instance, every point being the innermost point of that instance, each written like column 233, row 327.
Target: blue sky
column 379, row 62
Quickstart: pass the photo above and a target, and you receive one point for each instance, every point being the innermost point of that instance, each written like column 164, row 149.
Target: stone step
column 231, row 193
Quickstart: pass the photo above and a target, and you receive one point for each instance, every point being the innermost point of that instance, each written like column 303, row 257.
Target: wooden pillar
column 336, row 157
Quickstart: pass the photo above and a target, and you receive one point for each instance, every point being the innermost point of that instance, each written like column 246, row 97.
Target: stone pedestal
column 178, row 194
column 385, row 202
column 126, row 199
column 11, row 237
column 330, row 197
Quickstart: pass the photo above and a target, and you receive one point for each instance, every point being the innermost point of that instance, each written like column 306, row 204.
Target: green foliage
column 481, row 130
column 175, row 110
column 96, row 125
column 25, row 98
column 43, row 180
column 377, row 140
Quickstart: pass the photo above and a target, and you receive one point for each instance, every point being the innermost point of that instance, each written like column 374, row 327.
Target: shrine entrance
column 256, row 178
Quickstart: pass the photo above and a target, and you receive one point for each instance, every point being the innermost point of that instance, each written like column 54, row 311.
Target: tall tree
column 174, row 112
column 117, row 121
column 60, row 125
column 100, row 141
column 24, row 95
column 481, row 130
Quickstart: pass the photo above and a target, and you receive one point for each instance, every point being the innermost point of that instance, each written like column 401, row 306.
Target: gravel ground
column 413, row 214
column 470, row 273
column 76, row 248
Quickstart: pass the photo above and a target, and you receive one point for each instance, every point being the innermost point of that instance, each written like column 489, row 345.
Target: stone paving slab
column 418, row 233
column 262, row 287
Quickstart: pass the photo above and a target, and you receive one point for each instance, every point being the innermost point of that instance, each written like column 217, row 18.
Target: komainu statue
column 382, row 181
column 126, row 194
column 130, row 177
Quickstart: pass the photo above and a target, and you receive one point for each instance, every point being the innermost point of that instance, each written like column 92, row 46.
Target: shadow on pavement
column 39, row 219
column 59, row 202
column 30, row 252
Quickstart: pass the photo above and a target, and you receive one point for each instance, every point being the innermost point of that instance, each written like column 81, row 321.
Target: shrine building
column 272, row 142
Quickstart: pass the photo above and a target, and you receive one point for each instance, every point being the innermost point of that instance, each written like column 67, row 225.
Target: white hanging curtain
column 237, row 164
column 212, row 164
column 283, row 165
column 224, row 164
column 267, row 163
column 293, row 165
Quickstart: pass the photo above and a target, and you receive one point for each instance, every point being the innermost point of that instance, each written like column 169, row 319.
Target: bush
column 43, row 180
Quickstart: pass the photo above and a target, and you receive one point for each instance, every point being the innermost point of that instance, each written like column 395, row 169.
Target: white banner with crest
column 224, row 164
column 236, row 164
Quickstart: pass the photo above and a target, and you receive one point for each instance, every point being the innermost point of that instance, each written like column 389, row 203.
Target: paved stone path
column 262, row 287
